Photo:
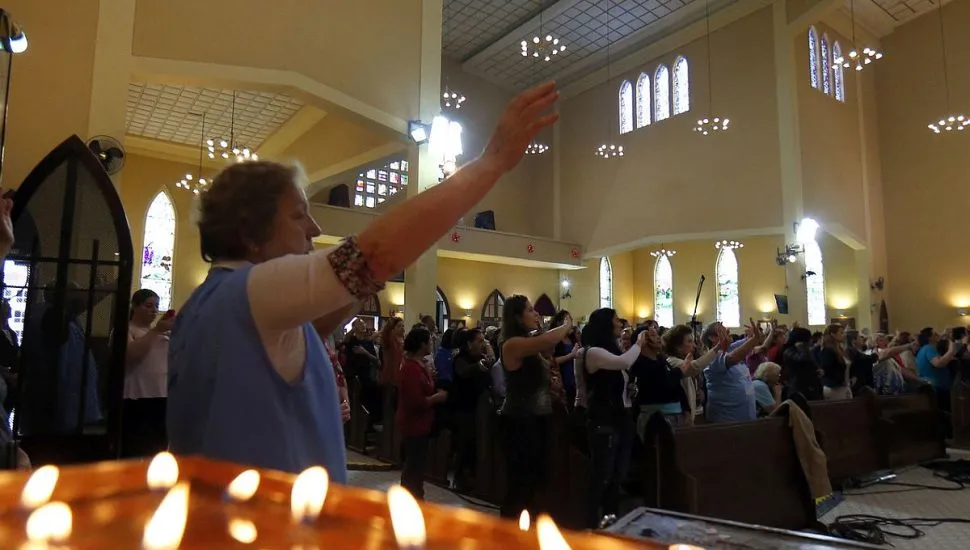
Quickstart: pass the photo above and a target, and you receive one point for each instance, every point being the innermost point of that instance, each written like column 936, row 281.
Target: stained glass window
column 375, row 185
column 663, row 297
column 813, row 57
column 681, row 86
column 626, row 107
column 815, row 284
column 15, row 278
column 837, row 77
column 728, row 299
column 159, row 249
column 606, row 282
column 826, row 65
column 643, row 100
column 661, row 93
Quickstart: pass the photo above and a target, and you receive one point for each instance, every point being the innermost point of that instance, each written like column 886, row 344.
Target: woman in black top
column 565, row 353
column 471, row 380
column 524, row 416
column 658, row 383
column 799, row 371
column 608, row 410
column 860, row 363
column 835, row 368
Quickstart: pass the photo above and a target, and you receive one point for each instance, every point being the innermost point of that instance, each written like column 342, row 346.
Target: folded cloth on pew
column 810, row 455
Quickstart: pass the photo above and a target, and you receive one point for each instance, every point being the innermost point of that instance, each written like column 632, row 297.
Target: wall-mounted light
column 566, row 285
column 962, row 312
column 419, row 131
column 468, row 314
column 13, row 39
column 805, row 230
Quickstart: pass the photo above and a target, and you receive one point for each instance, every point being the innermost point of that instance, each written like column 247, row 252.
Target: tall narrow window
column 159, row 249
column 681, row 86
column 16, row 276
column 661, row 93
column 626, row 107
column 826, row 65
column 837, row 77
column 728, row 300
column 643, row 100
column 663, row 295
column 813, row 57
column 606, row 282
column 815, row 284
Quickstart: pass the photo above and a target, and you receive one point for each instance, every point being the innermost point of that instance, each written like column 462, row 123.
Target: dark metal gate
column 67, row 282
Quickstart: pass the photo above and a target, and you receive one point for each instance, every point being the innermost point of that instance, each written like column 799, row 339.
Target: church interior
column 753, row 165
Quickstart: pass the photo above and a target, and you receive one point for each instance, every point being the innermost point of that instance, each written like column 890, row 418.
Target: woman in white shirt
column 146, row 377
column 609, row 410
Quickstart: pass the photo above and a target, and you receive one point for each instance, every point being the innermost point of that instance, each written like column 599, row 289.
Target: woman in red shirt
column 415, row 408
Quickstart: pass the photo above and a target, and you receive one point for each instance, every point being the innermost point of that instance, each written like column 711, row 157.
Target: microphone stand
column 697, row 299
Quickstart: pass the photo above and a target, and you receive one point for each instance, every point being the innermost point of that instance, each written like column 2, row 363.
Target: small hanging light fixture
column 952, row 121
column 710, row 124
column 867, row 56
column 228, row 149
column 609, row 150
column 196, row 184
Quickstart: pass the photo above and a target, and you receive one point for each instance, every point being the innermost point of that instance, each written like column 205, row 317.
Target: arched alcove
column 492, row 309
column 442, row 309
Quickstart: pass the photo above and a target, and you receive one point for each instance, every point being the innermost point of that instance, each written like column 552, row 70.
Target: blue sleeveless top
column 227, row 402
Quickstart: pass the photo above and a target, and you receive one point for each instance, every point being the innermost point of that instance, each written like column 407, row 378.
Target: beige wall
column 367, row 50
column 50, row 88
column 466, row 284
column 331, row 141
column 522, row 199
column 729, row 182
column 925, row 174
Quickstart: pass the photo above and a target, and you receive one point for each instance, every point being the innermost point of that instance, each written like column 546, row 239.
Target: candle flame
column 51, row 522
column 309, row 493
column 163, row 472
column 164, row 530
column 39, row 488
column 406, row 518
column 524, row 520
column 242, row 530
column 549, row 536
column 244, row 486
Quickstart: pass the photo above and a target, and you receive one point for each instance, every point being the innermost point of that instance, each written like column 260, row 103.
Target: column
column 863, row 266
column 420, row 279
column 790, row 151
column 112, row 72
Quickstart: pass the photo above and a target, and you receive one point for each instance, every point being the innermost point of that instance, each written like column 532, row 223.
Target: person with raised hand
column 730, row 390
column 249, row 379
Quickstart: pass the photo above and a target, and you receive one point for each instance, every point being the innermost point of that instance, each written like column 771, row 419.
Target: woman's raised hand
column 523, row 118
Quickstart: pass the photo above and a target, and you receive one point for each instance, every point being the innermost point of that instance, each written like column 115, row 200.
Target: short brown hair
column 673, row 338
column 238, row 209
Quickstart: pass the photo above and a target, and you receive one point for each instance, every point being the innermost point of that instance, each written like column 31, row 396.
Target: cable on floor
column 878, row 530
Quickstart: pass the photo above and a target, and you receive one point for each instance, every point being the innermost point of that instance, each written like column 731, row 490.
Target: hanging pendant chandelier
column 609, row 150
column 953, row 121
column 536, row 148
column 711, row 124
column 544, row 48
column 663, row 252
column 228, row 148
column 854, row 59
column 452, row 99
column 196, row 183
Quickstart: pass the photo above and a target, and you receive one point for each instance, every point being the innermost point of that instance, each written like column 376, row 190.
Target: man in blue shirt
column 930, row 365
column 730, row 390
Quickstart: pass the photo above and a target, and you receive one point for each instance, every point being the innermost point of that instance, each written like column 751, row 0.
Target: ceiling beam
column 516, row 35
column 290, row 131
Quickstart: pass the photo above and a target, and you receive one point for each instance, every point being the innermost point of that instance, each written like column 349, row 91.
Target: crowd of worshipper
column 611, row 377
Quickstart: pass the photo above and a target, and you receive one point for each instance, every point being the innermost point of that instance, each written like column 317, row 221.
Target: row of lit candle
column 51, row 522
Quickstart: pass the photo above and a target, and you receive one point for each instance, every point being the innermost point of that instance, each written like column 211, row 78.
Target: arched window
column 728, row 300
column 661, row 93
column 626, row 107
column 681, row 86
column 159, row 249
column 826, row 65
column 442, row 309
column 663, row 296
column 492, row 309
column 815, row 284
column 837, row 77
column 643, row 100
column 813, row 57
column 606, row 282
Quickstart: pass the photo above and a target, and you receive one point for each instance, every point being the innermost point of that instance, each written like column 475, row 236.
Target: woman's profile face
column 618, row 328
column 475, row 346
column 686, row 345
column 529, row 317
column 399, row 329
column 293, row 227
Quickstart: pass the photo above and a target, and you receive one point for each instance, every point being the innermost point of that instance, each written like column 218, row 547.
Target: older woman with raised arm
column 250, row 381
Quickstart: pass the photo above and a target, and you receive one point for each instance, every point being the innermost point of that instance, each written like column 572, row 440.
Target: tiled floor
column 891, row 502
column 881, row 500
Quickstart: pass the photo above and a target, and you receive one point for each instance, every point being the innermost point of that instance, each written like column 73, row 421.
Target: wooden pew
column 848, row 433
column 355, row 431
column 439, row 459
column 739, row 471
column 911, row 428
column 390, row 441
column 960, row 407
